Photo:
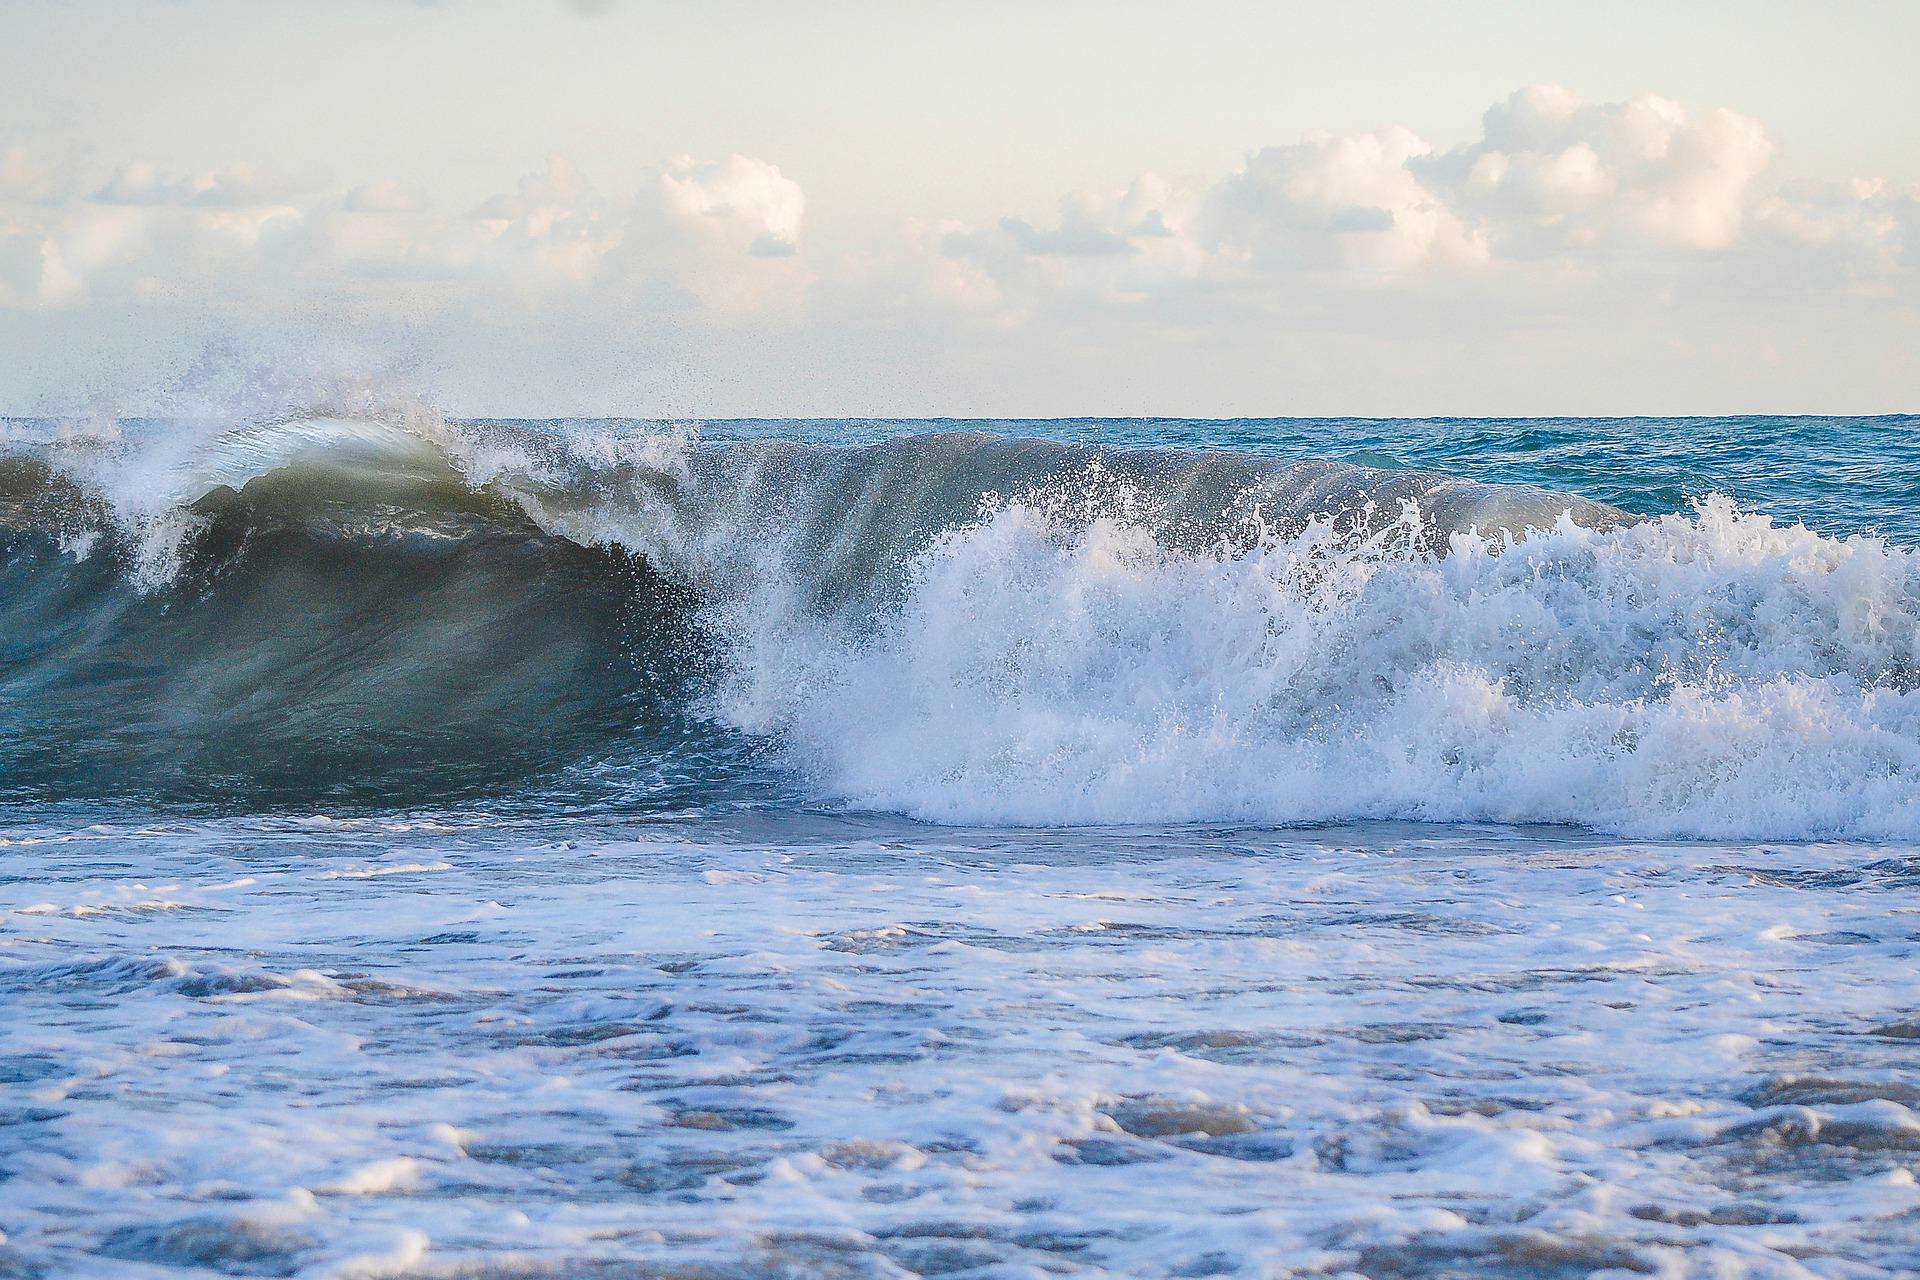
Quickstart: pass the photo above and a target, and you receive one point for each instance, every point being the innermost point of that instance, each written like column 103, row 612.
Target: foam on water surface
column 962, row 627
column 835, row 1048
column 580, row 850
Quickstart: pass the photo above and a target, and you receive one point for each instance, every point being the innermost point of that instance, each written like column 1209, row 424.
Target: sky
column 556, row 207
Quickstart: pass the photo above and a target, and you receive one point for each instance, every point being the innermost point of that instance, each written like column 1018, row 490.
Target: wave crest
column 1710, row 674
column 962, row 627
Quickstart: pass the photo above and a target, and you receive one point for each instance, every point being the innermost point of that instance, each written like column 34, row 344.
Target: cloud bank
column 1594, row 252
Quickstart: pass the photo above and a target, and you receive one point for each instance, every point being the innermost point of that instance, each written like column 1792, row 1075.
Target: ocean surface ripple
column 862, row 849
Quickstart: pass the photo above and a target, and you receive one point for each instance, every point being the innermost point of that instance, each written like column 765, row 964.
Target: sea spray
column 1702, row 674
column 961, row 627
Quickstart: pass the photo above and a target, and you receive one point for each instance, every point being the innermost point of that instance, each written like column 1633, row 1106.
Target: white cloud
column 235, row 234
column 1864, row 232
column 1350, row 201
column 25, row 180
column 1567, row 235
column 1552, row 179
column 1119, row 249
column 1369, row 260
column 1553, row 172
column 738, row 199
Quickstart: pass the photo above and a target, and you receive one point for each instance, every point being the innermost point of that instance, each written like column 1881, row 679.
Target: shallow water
column 535, row 960
column 826, row 1046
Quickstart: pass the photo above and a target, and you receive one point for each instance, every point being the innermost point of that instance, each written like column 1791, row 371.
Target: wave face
column 961, row 627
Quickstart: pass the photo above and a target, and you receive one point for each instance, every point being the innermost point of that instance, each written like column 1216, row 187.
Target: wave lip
column 961, row 627
column 1707, row 675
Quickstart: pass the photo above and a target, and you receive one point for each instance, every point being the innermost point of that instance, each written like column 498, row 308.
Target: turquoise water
column 1834, row 474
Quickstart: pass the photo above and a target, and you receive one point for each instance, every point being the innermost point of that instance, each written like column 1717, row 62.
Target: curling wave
column 965, row 628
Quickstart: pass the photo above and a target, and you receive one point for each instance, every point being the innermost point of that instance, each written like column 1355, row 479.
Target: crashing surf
column 962, row 627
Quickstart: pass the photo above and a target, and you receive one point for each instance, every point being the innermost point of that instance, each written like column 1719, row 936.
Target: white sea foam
column 147, row 484
column 869, row 1048
column 1053, row 658
column 958, row 632
column 780, row 1041
column 1708, row 674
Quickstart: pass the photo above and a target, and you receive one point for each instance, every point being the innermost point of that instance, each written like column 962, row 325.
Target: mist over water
column 855, row 848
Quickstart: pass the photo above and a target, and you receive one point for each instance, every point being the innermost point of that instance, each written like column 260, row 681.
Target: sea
column 489, row 850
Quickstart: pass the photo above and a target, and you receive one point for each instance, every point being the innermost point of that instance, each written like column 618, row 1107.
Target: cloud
column 25, row 180
column 1863, row 233
column 703, row 232
column 738, row 198
column 1570, row 243
column 238, row 185
column 1552, row 171
column 1353, row 202
column 1114, row 250
column 1554, row 184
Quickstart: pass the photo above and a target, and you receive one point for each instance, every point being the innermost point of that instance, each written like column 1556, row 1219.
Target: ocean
column 1133, row 848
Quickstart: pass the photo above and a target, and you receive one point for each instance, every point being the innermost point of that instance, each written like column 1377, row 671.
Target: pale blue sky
column 960, row 108
column 912, row 136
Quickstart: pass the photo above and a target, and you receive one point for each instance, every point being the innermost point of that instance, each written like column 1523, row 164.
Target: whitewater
column 857, row 848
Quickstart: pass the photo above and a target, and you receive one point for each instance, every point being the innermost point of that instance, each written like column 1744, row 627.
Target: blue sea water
column 1834, row 474
column 1056, row 848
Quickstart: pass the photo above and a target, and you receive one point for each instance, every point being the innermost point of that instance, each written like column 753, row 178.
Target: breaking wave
column 961, row 627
